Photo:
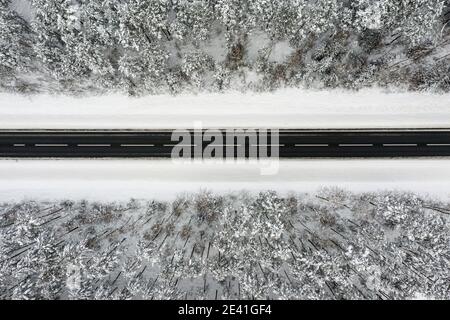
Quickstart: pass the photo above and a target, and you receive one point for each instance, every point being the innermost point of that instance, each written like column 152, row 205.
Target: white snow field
column 288, row 108
column 120, row 180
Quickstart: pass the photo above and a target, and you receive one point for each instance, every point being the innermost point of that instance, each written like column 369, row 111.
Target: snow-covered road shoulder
column 120, row 180
column 288, row 108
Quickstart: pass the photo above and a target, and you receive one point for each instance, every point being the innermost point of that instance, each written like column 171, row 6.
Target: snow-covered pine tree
column 15, row 45
column 279, row 19
column 194, row 20
column 144, row 22
column 235, row 16
column 52, row 26
column 144, row 70
column 96, row 41
column 196, row 65
column 417, row 21
column 144, row 27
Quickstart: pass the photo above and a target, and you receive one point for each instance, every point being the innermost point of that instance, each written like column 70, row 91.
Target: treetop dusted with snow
column 153, row 46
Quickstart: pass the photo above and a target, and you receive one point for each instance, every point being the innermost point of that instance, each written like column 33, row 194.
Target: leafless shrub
column 180, row 205
column 208, row 206
column 186, row 231
column 292, row 204
column 235, row 56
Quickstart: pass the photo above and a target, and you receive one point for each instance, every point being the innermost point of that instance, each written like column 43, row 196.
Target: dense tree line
column 154, row 46
column 329, row 245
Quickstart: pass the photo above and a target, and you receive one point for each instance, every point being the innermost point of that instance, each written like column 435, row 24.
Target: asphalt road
column 291, row 143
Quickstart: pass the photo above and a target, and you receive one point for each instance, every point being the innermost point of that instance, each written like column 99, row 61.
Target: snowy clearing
column 288, row 108
column 120, row 180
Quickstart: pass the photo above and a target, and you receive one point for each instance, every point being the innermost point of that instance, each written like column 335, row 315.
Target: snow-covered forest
column 331, row 244
column 141, row 47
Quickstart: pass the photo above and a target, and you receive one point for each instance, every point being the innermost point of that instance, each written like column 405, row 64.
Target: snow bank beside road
column 288, row 108
column 119, row 180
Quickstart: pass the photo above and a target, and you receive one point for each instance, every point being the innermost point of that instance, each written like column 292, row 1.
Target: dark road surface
column 292, row 144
